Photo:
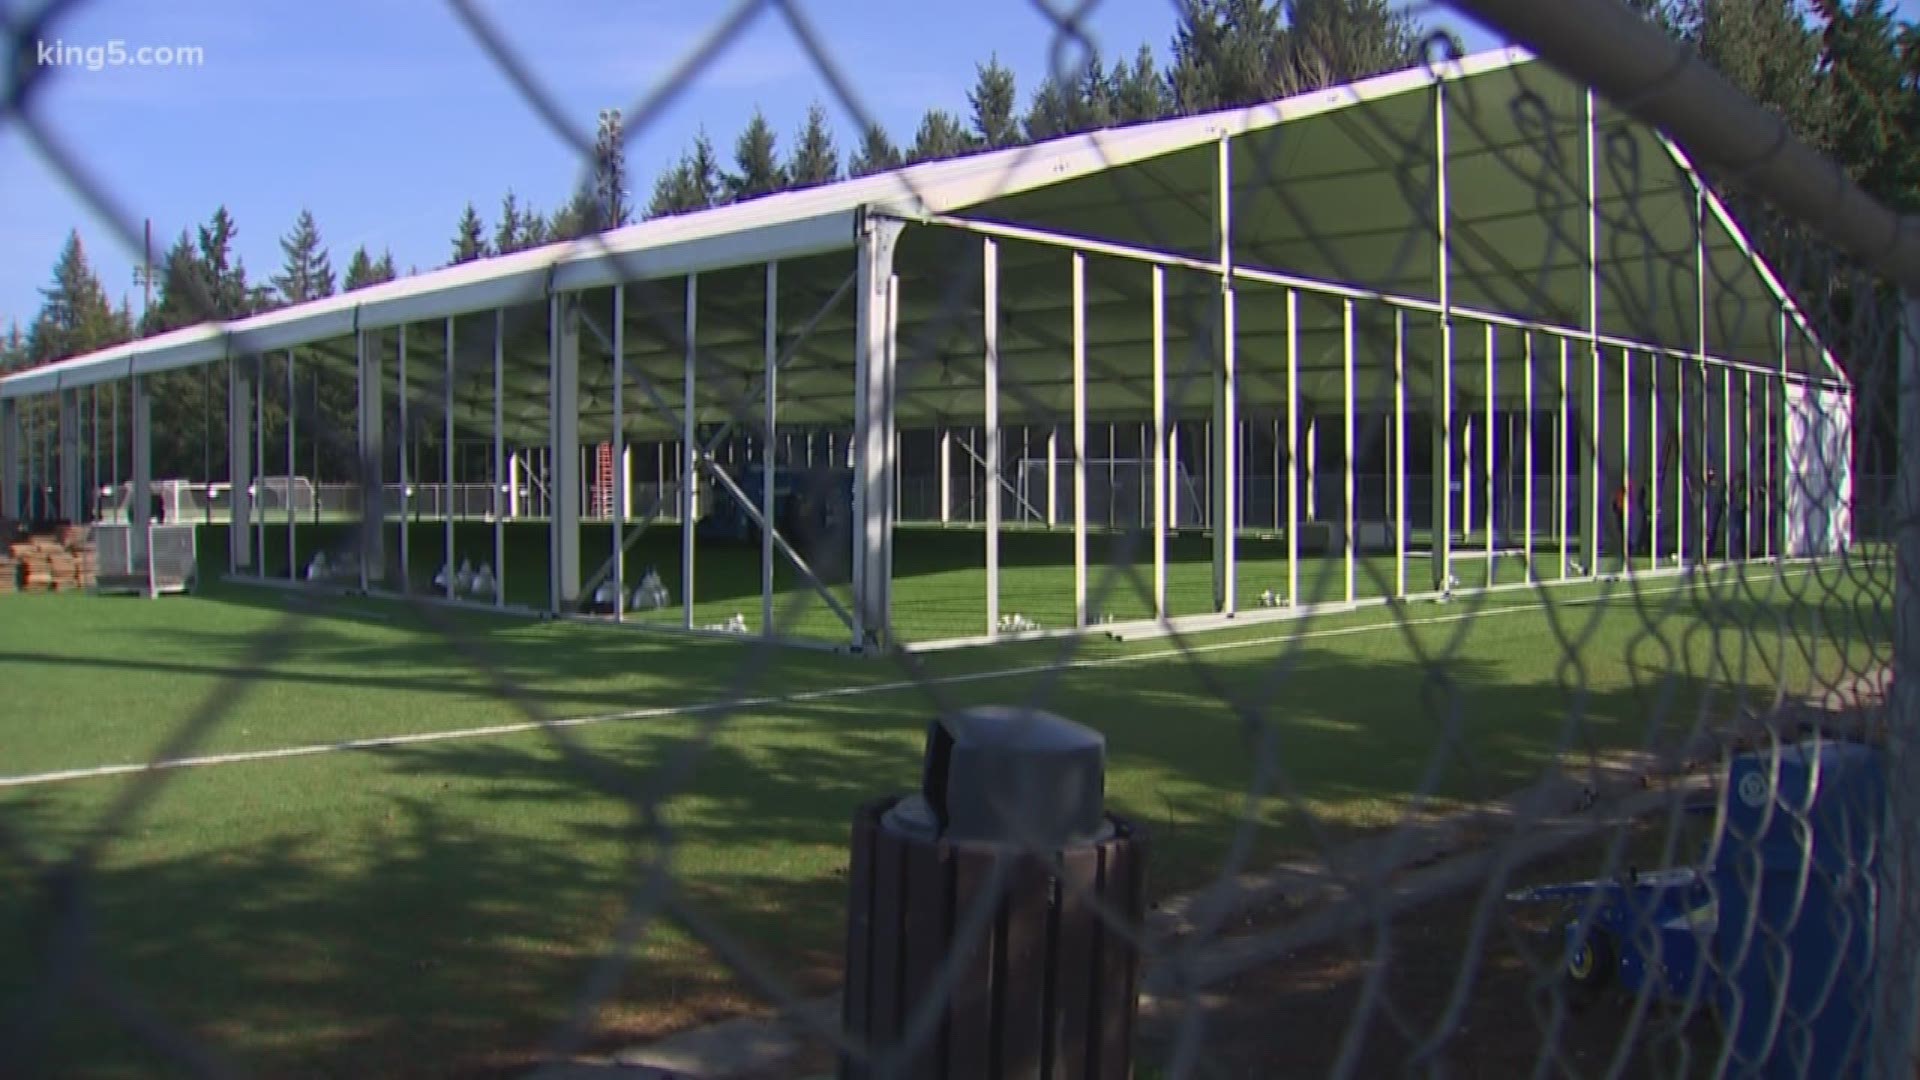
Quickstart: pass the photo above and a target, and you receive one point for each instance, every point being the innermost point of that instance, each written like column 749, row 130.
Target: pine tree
column 1329, row 42
column 510, row 235
column 75, row 315
column 992, row 100
column 1083, row 100
column 877, row 153
column 1139, row 91
column 13, row 349
column 940, row 136
column 693, row 183
column 364, row 270
column 815, row 161
column 307, row 272
column 225, row 276
column 1227, row 53
column 756, row 164
column 1871, row 80
column 470, row 237
column 184, row 296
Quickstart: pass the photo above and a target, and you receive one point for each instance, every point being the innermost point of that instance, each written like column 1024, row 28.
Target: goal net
column 1119, row 493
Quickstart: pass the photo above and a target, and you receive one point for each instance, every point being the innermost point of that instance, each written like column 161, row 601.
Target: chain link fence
column 1365, row 872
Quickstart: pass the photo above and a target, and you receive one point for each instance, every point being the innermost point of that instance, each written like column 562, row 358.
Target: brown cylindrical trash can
column 1046, row 987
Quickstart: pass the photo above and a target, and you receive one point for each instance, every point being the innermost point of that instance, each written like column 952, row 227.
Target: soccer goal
column 1119, row 493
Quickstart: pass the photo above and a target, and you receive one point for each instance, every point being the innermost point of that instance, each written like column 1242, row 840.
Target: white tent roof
column 1024, row 184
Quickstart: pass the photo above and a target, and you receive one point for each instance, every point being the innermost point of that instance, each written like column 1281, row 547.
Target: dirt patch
column 1466, row 985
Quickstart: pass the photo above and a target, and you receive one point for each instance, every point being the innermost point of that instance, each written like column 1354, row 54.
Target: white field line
column 803, row 697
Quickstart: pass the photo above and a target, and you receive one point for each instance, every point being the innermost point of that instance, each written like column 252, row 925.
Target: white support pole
column 563, row 429
column 240, row 463
column 1173, row 472
column 1468, row 474
column 1563, row 485
column 1079, row 440
column 293, row 549
column 946, row 475
column 1399, row 453
column 446, row 477
column 1526, row 460
column 1053, row 476
column 370, row 386
column 256, row 512
column 1311, row 452
column 1725, row 497
column 1769, row 453
column 990, row 362
column 622, row 459
column 1590, row 486
column 405, row 456
column 140, row 436
column 875, row 342
column 1492, row 449
column 500, row 468
column 10, row 462
column 93, row 449
column 1224, row 467
column 1160, row 471
column 71, row 507
column 1442, row 404
column 1745, row 490
column 1628, row 500
column 1293, row 446
column 690, row 455
column 1652, row 494
column 768, row 517
column 1347, row 391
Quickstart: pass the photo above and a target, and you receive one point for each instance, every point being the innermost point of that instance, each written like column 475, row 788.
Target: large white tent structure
column 1456, row 327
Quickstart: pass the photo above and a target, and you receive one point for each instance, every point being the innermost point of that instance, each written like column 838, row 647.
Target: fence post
column 1898, row 959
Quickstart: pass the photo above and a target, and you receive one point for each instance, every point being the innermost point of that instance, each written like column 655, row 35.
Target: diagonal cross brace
column 704, row 453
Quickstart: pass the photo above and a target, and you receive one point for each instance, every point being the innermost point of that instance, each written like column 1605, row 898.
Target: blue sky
column 385, row 117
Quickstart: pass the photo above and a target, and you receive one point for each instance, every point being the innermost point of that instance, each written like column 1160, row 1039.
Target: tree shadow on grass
column 435, row 910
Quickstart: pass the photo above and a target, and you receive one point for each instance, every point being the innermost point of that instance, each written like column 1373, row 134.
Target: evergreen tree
column 992, row 100
column 1227, row 53
column 75, row 315
column 307, row 270
column 13, row 349
column 940, row 136
column 757, row 166
column 223, row 273
column 510, row 235
column 1767, row 50
column 364, row 270
column 470, row 237
column 184, row 294
column 1871, row 80
column 1139, row 91
column 1329, row 42
column 877, row 153
column 815, row 161
column 693, row 183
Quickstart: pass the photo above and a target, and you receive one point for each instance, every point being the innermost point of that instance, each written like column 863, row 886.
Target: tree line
column 1844, row 73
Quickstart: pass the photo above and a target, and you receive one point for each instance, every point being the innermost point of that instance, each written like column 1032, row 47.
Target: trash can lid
column 1009, row 775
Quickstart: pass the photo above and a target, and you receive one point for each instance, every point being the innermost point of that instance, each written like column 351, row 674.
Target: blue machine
column 1773, row 932
column 810, row 506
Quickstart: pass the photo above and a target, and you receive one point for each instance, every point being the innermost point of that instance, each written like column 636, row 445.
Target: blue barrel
column 1794, row 877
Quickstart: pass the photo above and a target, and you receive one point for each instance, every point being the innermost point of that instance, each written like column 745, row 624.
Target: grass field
column 434, row 907
column 939, row 572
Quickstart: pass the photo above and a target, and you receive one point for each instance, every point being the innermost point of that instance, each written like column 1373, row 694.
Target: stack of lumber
column 9, row 573
column 61, row 561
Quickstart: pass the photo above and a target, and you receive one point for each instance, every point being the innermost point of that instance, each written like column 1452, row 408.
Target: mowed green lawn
column 436, row 907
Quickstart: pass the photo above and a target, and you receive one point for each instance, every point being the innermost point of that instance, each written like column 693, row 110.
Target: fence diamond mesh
column 1474, row 522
